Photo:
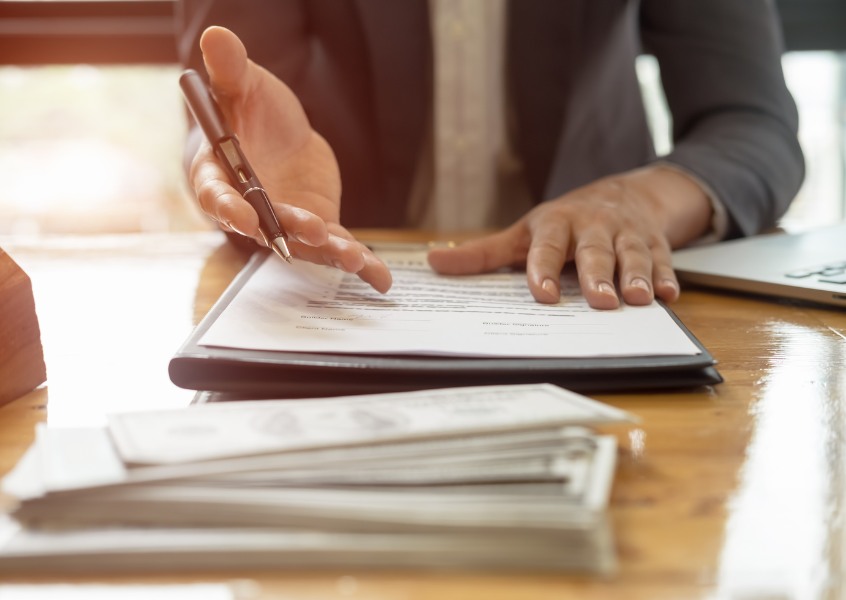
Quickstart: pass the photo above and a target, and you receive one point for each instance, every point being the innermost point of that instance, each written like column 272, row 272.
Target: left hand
column 620, row 228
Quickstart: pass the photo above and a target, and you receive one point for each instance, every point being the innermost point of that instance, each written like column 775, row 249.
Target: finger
column 595, row 262
column 634, row 260
column 217, row 198
column 266, row 100
column 346, row 255
column 301, row 225
column 339, row 230
column 665, row 283
column 376, row 273
column 547, row 255
column 349, row 256
column 502, row 249
column 225, row 58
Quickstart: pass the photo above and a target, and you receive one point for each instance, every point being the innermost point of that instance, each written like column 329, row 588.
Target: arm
column 735, row 123
column 735, row 132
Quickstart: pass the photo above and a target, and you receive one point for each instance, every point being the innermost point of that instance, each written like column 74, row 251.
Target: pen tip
column 281, row 248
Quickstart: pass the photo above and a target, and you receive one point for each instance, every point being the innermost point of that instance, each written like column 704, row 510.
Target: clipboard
column 235, row 372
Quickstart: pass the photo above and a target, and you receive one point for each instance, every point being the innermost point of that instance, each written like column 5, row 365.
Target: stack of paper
column 501, row 476
column 306, row 330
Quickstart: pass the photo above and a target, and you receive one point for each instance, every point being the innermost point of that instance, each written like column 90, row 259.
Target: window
column 815, row 70
column 93, row 149
column 98, row 117
column 817, row 80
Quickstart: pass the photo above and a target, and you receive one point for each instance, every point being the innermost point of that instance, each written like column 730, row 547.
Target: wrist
column 682, row 206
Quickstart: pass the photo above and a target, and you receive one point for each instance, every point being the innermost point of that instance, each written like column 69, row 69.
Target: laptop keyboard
column 834, row 272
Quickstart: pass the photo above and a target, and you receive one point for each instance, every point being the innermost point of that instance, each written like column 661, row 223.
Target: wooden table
column 735, row 490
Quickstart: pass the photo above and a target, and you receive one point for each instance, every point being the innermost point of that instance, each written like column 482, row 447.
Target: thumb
column 501, row 249
column 236, row 80
column 226, row 62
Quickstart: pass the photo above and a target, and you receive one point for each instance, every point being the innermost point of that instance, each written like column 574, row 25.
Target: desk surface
column 735, row 490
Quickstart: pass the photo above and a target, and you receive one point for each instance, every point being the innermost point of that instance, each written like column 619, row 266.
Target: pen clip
column 229, row 151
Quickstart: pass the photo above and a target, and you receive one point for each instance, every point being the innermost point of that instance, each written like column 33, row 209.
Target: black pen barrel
column 268, row 222
column 205, row 110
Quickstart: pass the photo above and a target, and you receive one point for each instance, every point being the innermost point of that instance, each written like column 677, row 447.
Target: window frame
column 144, row 31
column 93, row 32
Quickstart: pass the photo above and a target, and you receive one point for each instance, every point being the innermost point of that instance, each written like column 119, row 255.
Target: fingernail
column 298, row 236
column 639, row 282
column 233, row 228
column 550, row 288
column 670, row 284
column 606, row 288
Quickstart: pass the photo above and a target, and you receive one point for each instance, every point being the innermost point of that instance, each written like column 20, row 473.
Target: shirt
column 468, row 176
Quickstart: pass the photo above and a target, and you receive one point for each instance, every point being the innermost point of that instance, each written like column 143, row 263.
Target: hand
column 623, row 226
column 294, row 163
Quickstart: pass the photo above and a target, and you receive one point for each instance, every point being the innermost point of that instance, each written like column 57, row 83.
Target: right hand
column 294, row 163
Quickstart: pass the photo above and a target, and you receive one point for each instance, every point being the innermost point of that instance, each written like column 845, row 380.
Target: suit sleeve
column 734, row 121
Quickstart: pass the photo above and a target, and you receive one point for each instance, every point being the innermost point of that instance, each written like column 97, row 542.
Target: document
column 310, row 308
column 302, row 331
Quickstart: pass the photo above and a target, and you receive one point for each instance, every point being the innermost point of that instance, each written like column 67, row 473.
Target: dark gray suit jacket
column 363, row 70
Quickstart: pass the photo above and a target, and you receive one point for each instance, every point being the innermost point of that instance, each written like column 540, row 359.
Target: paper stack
column 499, row 476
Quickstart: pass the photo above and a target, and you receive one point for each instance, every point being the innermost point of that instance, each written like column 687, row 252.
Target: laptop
column 809, row 266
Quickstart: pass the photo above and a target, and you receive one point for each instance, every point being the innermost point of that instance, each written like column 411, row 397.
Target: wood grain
column 21, row 357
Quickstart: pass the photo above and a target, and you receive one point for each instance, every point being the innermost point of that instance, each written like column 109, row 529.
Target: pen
column 228, row 151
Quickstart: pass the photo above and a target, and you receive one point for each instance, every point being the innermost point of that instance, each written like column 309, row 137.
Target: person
column 338, row 107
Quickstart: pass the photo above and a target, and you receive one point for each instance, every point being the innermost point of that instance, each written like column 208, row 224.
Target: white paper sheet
column 308, row 308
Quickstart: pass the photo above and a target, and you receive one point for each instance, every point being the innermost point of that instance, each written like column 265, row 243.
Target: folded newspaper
column 479, row 477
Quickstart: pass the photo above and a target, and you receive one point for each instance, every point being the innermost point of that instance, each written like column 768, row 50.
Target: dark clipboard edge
column 260, row 373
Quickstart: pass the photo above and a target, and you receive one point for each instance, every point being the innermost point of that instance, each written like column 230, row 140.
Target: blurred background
column 93, row 122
